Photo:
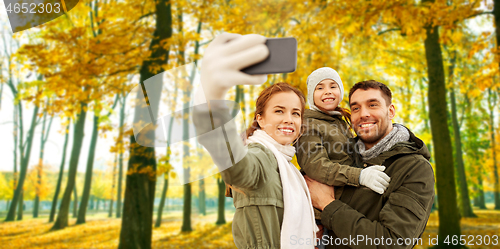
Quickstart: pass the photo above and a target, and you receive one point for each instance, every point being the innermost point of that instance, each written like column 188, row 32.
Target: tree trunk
column 465, row 205
column 479, row 200
column 18, row 130
column 492, row 101
column 36, row 206
column 449, row 218
column 496, row 14
column 162, row 201
column 88, row 174
column 75, row 202
column 110, row 213
column 165, row 183
column 62, row 216
column 61, row 171
column 137, row 221
column 464, row 201
column 20, row 208
column 39, row 171
column 115, row 164
column 16, row 138
column 201, row 198
column 186, row 210
column 221, row 219
column 43, row 140
column 120, row 160
column 25, row 157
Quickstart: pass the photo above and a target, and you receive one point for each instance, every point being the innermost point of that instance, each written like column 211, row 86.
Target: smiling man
column 361, row 218
column 372, row 113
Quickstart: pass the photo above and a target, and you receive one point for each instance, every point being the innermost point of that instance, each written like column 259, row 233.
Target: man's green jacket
column 395, row 219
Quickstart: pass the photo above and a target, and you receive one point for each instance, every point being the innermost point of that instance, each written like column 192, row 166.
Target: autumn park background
column 73, row 176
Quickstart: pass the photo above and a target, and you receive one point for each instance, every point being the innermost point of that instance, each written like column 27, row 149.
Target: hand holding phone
column 282, row 57
column 226, row 55
column 233, row 59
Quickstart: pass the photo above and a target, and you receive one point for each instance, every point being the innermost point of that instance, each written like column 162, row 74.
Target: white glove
column 226, row 55
column 374, row 178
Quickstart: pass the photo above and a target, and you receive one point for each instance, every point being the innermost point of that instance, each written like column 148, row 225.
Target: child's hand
column 374, row 178
column 226, row 55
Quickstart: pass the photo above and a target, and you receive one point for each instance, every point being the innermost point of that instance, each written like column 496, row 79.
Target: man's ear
column 392, row 111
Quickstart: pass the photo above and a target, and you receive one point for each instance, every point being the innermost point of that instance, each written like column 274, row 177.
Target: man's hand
column 321, row 194
column 226, row 55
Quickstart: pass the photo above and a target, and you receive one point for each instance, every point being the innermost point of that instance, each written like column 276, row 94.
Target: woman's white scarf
column 299, row 227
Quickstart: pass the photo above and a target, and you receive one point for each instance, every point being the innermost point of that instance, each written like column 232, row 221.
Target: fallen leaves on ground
column 104, row 233
column 487, row 224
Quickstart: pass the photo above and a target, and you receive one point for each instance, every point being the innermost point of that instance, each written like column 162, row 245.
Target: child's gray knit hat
column 316, row 77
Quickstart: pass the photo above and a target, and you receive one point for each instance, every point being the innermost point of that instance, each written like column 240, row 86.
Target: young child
column 323, row 151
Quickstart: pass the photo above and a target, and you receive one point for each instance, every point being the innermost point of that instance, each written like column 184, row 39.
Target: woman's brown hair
column 260, row 105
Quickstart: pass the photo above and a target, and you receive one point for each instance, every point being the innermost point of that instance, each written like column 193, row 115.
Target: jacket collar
column 413, row 146
column 308, row 113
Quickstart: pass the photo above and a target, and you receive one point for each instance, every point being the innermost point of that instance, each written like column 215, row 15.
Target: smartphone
column 282, row 57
